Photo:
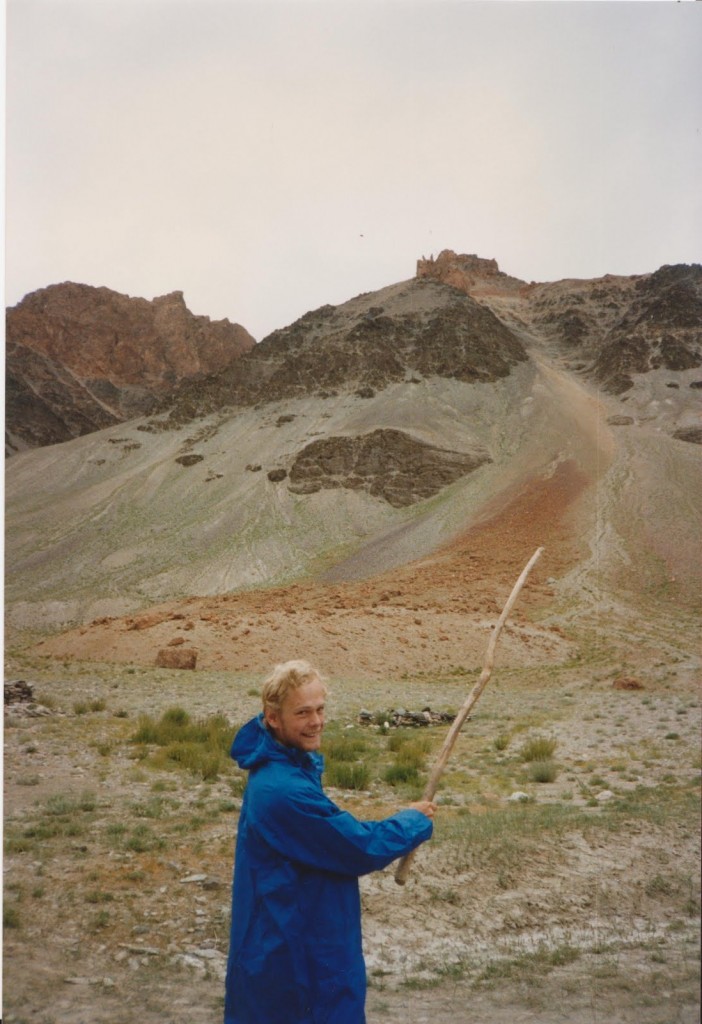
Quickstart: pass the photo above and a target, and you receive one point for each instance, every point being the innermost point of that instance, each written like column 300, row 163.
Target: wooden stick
column 404, row 863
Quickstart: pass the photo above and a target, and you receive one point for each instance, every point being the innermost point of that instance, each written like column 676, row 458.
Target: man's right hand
column 425, row 806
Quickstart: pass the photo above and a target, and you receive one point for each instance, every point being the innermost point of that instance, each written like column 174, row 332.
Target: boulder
column 176, row 657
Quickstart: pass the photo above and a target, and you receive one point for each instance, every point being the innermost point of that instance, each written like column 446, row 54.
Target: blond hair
column 286, row 677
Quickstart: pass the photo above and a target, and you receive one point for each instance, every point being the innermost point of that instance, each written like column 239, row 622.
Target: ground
column 575, row 906
column 579, row 904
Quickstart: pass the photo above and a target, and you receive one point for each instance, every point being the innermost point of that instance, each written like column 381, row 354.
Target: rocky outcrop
column 409, row 331
column 691, row 434
column 613, row 327
column 662, row 327
column 81, row 358
column 471, row 274
column 387, row 464
column 620, row 326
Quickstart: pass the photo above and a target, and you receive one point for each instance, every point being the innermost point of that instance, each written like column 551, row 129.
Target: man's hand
column 425, row 806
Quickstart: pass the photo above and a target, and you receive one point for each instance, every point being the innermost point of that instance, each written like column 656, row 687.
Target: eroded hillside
column 81, row 358
column 408, row 449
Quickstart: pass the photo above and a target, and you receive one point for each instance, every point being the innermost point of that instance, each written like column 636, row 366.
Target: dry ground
column 571, row 907
column 580, row 905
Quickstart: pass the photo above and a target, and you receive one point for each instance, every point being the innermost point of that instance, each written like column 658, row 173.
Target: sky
column 266, row 157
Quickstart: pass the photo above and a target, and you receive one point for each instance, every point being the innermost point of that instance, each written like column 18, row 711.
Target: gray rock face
column 414, row 330
column 388, row 464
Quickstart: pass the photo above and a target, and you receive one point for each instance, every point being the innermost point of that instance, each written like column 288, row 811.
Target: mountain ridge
column 80, row 358
column 234, row 493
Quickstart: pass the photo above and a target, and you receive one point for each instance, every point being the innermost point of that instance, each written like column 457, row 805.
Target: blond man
column 295, row 953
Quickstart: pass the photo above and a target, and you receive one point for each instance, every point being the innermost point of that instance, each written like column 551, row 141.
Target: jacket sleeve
column 302, row 824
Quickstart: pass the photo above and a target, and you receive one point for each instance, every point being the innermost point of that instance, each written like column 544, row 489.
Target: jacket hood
column 255, row 745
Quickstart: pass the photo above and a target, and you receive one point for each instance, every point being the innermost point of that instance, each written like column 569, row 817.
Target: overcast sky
column 268, row 156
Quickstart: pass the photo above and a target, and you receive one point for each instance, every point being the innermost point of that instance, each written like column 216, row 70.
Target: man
column 295, row 954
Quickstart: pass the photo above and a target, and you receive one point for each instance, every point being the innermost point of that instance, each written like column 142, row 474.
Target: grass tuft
column 347, row 775
column 539, row 748
column 543, row 771
column 200, row 746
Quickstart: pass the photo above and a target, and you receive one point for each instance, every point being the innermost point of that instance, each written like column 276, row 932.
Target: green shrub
column 194, row 757
column 401, row 741
column 347, row 775
column 539, row 748
column 344, row 748
column 10, row 916
column 543, row 771
column 175, row 716
column 401, row 772
column 200, row 747
column 143, row 839
column 501, row 742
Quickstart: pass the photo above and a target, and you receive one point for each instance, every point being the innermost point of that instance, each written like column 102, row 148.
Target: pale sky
column 266, row 157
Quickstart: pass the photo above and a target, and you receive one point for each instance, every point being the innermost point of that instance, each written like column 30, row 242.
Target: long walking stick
column 403, row 866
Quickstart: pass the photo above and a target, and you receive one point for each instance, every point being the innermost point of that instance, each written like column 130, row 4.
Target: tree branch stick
column 404, row 863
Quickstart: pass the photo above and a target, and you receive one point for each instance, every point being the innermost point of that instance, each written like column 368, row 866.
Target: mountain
column 398, row 456
column 80, row 359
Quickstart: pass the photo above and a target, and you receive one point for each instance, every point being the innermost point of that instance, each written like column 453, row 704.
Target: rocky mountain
column 80, row 359
column 407, row 332
column 609, row 328
column 424, row 437
column 462, row 318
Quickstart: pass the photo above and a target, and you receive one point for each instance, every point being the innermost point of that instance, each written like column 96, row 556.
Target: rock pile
column 401, row 717
column 19, row 699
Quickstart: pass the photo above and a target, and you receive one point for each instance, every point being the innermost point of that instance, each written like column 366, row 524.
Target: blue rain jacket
column 295, row 954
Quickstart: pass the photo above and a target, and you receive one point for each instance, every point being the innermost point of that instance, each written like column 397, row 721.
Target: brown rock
column 627, row 683
column 176, row 657
column 81, row 358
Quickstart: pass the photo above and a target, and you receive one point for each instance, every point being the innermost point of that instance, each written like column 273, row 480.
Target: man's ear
column 270, row 717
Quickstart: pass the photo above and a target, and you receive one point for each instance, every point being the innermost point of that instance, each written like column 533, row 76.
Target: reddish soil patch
column 429, row 616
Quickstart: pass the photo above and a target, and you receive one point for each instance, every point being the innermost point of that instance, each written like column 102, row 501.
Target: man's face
column 300, row 720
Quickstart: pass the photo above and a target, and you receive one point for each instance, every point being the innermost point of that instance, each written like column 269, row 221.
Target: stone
column 176, row 657
column 627, row 683
column 386, row 463
column 17, row 691
column 693, row 435
column 189, row 460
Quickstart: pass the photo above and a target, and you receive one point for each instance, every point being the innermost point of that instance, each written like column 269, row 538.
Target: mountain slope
column 514, row 442
column 81, row 358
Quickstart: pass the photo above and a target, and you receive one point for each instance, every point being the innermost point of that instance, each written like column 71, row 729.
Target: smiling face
column 299, row 721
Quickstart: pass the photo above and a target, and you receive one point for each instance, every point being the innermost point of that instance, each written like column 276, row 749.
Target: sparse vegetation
column 346, row 775
column 126, row 846
column 200, row 747
column 539, row 748
column 543, row 771
column 10, row 916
